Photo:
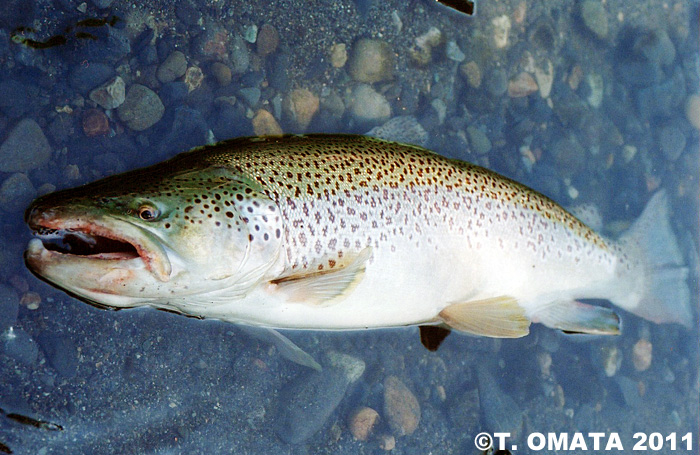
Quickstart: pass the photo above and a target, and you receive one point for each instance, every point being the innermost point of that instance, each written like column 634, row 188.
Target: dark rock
column 662, row 100
column 672, row 142
column 61, row 353
column 61, row 128
column 250, row 95
column 148, row 56
column 173, row 67
column 84, row 78
column 278, row 68
column 188, row 130
column 14, row 100
column 497, row 82
column 108, row 45
column 500, row 412
column 20, row 346
column 108, row 163
column 172, row 92
column 306, row 403
column 188, row 12
column 102, row 4
column 25, row 148
column 9, row 307
column 239, row 55
column 16, row 192
column 141, row 109
column 231, row 121
column 252, row 79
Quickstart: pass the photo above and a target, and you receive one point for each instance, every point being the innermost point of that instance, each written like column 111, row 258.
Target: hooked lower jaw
column 106, row 244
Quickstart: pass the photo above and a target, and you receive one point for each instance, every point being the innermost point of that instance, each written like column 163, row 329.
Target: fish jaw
column 114, row 252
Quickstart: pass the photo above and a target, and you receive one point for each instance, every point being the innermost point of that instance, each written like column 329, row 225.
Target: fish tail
column 654, row 263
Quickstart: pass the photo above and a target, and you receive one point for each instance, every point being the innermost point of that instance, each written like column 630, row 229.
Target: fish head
column 154, row 236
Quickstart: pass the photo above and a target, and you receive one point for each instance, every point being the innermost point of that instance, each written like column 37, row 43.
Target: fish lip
column 149, row 250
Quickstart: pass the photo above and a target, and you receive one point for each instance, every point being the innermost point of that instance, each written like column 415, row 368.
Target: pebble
column 362, row 422
column 250, row 95
column 264, row 124
column 471, row 71
column 672, row 142
column 692, row 110
column 239, row 55
column 30, row 300
column 655, row 46
column 387, row 442
column 84, row 78
column 569, row 155
column 193, row 78
column 401, row 407
column 596, row 84
column 595, row 18
column 338, row 55
column 479, row 141
column 371, row 61
column 352, row 366
column 172, row 92
column 454, row 53
column 306, row 403
column 299, row 107
column 141, row 109
column 250, row 33
column 612, row 359
column 212, row 44
column 642, row 355
column 405, row 129
column 368, row 106
column 268, row 40
column 575, row 77
column 9, row 307
column 522, row 85
column 222, row 73
column 497, row 82
column 16, row 192
column 111, row 95
column 20, row 346
column 501, row 31
column 25, row 148
column 172, row 68
column 95, row 123
column 545, row 78
column 422, row 52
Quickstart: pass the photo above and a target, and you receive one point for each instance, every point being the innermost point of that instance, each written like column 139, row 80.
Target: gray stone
column 9, row 307
column 306, row 403
column 142, row 108
column 368, row 106
column 25, row 148
column 497, row 82
column 672, row 142
column 480, row 143
column 20, row 346
column 500, row 412
column 595, row 18
column 16, row 192
column 250, row 95
column 371, row 61
column 172, row 68
column 240, row 58
column 110, row 95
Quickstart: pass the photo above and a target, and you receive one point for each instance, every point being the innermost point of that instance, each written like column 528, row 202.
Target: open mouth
column 80, row 243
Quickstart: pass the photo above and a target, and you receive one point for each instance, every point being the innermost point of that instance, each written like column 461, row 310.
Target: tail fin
column 665, row 296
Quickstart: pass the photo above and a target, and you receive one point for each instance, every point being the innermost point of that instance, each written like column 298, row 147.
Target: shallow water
column 608, row 121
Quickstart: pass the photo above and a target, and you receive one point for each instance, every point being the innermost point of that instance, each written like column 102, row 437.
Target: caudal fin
column 661, row 293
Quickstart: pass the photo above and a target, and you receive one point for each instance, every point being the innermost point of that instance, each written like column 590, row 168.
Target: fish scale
column 348, row 232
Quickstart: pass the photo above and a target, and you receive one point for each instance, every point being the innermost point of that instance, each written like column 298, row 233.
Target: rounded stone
column 522, row 85
column 142, row 108
column 268, row 40
column 371, row 61
column 338, row 55
column 300, row 106
column 480, row 143
column 172, row 67
column 401, row 407
column 672, row 142
column 368, row 106
column 471, row 71
column 362, row 422
column 264, row 124
column 16, row 192
column 95, row 123
column 25, row 148
column 595, row 18
column 642, row 355
column 222, row 73
column 692, row 110
column 110, row 95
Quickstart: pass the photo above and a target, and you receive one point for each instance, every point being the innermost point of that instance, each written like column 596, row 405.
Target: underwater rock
column 500, row 412
column 172, row 68
column 25, row 148
column 471, row 71
column 595, row 18
column 522, row 85
column 422, row 52
column 362, row 422
column 672, row 142
column 268, row 40
column 306, row 403
column 401, row 407
column 299, row 107
column 264, row 124
column 16, row 192
column 692, row 110
column 367, row 106
column 371, row 61
column 111, row 95
column 141, row 109
column 479, row 141
column 95, row 123
column 641, row 355
column 221, row 73
column 338, row 55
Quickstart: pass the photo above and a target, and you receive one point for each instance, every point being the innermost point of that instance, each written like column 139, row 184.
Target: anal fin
column 432, row 336
column 577, row 317
column 498, row 317
column 324, row 287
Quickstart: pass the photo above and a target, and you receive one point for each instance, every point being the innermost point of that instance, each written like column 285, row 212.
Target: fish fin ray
column 326, row 287
column 576, row 317
column 497, row 317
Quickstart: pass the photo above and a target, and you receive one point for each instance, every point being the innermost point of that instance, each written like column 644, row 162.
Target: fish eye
column 148, row 212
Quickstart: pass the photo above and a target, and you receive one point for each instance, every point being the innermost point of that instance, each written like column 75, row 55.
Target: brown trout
column 349, row 232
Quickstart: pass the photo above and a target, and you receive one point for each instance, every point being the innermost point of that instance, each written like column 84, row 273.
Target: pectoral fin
column 324, row 287
column 576, row 317
column 498, row 317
